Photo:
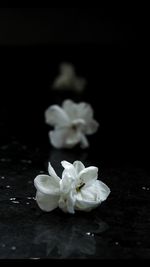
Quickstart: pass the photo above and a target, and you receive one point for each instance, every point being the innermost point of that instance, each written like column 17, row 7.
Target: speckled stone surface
column 118, row 229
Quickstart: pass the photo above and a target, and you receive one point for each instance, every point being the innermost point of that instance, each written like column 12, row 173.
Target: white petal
column 58, row 137
column 52, row 172
column 78, row 166
column 73, row 138
column 69, row 172
column 71, row 109
column 103, row 189
column 67, row 202
column 91, row 196
column 47, row 184
column 71, row 202
column 91, row 127
column 66, row 183
column 97, row 191
column 64, row 137
column 62, row 82
column 66, row 164
column 88, row 174
column 86, row 205
column 47, row 202
column 84, row 142
column 67, row 69
column 85, row 111
column 55, row 115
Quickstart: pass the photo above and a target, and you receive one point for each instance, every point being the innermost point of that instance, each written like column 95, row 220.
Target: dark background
column 108, row 47
column 104, row 44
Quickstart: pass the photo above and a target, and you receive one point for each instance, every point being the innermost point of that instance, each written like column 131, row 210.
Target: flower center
column 79, row 187
column 74, row 127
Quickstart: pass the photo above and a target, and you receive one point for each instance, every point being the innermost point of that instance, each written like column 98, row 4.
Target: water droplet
column 7, row 186
column 31, row 198
column 117, row 243
column 145, row 188
column 28, row 203
column 15, row 202
column 13, row 198
column 3, row 245
column 2, row 177
column 89, row 234
column 41, row 171
column 13, row 248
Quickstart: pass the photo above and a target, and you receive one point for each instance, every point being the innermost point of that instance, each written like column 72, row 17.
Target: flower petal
column 46, row 202
column 91, row 127
column 88, row 175
column 55, row 115
column 47, row 184
column 85, row 111
column 66, row 164
column 103, row 189
column 64, row 137
column 78, row 110
column 52, row 172
column 85, row 205
column 91, row 196
column 71, row 202
column 66, row 202
column 84, row 142
column 78, row 166
column 71, row 109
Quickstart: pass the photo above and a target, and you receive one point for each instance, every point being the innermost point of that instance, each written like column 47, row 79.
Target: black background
column 105, row 47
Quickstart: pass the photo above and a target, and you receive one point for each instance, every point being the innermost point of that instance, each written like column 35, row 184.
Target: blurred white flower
column 79, row 188
column 71, row 122
column 67, row 79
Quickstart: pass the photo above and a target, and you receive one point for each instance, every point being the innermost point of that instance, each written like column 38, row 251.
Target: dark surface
column 118, row 229
column 105, row 49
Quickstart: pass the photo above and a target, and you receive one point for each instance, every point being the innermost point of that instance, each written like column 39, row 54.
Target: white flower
column 78, row 189
column 71, row 123
column 67, row 79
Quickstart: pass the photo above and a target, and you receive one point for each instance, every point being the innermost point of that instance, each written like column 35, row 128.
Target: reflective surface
column 119, row 228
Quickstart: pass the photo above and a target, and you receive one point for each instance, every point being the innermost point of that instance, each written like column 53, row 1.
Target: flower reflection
column 69, row 237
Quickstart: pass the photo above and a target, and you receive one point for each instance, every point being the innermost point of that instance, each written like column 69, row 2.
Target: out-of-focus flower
column 78, row 189
column 71, row 122
column 67, row 79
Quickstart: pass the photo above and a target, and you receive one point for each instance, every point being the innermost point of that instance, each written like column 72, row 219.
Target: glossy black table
column 118, row 229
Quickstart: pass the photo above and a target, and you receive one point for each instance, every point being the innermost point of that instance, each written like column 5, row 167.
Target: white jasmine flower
column 72, row 122
column 78, row 189
column 67, row 79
